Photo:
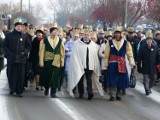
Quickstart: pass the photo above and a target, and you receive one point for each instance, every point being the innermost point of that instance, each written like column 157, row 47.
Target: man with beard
column 16, row 48
column 115, row 62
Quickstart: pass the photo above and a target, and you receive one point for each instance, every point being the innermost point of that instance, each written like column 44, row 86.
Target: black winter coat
column 34, row 54
column 16, row 47
column 148, row 59
column 133, row 43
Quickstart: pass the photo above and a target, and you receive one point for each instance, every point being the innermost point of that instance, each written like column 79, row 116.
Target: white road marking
column 75, row 115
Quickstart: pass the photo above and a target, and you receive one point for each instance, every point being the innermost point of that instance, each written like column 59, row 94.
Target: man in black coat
column 147, row 63
column 16, row 49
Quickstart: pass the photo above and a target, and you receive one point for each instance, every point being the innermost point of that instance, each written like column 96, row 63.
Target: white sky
column 47, row 13
column 44, row 3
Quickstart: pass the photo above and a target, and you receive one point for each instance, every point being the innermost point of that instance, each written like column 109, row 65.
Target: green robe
column 50, row 76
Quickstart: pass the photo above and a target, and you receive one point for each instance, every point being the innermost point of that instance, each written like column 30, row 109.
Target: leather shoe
column 53, row 96
column 112, row 99
column 46, row 92
column 19, row 95
column 118, row 98
column 147, row 93
column 11, row 92
column 90, row 96
column 80, row 96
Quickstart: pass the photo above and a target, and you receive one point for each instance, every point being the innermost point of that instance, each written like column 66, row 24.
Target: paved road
column 34, row 106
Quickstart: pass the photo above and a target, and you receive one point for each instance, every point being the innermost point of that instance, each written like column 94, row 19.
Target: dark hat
column 18, row 23
column 26, row 24
column 39, row 31
column 52, row 29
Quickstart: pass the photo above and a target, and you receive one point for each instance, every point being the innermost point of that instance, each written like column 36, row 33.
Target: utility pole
column 21, row 7
column 124, row 13
column 85, row 11
column 29, row 6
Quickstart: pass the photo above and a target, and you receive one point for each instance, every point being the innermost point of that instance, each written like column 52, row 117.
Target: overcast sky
column 44, row 3
column 47, row 14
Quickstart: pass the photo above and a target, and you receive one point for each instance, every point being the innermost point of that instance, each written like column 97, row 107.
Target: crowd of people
column 82, row 59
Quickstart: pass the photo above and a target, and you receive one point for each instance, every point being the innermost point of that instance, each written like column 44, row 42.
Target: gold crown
column 61, row 33
column 60, row 29
column 17, row 20
column 40, row 27
column 124, row 35
column 93, row 35
column 53, row 24
column 64, row 34
column 91, row 28
column 149, row 33
column 81, row 31
column 130, row 29
column 75, row 32
column 68, row 25
column 118, row 28
column 87, row 31
column 80, row 26
column 109, row 33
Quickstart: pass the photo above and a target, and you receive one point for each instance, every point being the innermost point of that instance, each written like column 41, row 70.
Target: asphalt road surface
column 35, row 106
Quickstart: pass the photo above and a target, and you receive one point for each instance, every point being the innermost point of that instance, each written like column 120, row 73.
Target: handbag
column 133, row 79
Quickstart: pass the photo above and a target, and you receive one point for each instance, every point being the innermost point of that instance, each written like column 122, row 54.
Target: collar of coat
column 16, row 32
column 118, row 44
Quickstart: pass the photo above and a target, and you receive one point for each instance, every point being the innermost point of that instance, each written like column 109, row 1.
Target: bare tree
column 10, row 7
column 72, row 10
column 37, row 10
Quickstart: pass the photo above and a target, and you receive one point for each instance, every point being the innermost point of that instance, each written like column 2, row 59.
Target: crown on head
column 53, row 24
column 18, row 20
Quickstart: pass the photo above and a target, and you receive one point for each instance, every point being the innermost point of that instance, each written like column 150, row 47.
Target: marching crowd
column 81, row 58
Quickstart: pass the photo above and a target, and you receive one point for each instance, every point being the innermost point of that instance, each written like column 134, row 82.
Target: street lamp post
column 9, row 21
